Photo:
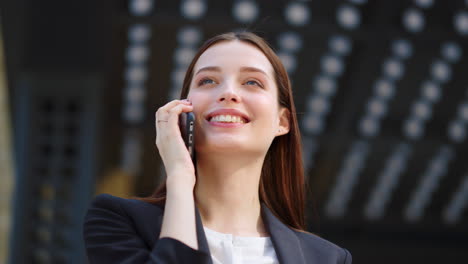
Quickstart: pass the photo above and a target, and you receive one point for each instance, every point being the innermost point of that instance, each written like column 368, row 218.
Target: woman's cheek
column 197, row 104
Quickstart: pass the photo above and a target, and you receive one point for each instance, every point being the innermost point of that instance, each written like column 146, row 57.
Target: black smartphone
column 187, row 130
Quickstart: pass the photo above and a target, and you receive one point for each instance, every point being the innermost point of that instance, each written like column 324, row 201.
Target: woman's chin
column 230, row 144
column 227, row 147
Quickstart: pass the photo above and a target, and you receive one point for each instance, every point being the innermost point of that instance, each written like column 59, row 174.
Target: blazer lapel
column 285, row 241
column 201, row 237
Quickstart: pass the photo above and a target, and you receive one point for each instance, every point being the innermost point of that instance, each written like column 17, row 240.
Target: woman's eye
column 252, row 82
column 205, row 81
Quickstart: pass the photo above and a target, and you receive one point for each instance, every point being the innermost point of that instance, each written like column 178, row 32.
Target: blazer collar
column 285, row 241
column 201, row 237
column 287, row 246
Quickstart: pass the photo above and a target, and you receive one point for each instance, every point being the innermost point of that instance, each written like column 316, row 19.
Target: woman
column 245, row 203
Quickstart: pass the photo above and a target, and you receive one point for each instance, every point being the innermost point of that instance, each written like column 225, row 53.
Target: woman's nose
column 229, row 94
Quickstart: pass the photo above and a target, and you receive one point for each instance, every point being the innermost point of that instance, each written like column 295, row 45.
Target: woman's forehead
column 234, row 54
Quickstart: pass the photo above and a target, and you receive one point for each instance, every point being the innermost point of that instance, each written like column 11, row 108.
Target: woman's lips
column 227, row 111
column 226, row 124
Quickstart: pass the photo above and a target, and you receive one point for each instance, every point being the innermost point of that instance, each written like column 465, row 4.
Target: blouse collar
column 286, row 243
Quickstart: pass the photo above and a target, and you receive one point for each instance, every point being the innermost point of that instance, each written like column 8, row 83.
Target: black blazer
column 118, row 230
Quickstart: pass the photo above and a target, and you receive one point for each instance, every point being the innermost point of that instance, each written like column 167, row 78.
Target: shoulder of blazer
column 141, row 214
column 294, row 246
column 118, row 230
column 314, row 245
column 129, row 207
column 125, row 204
column 142, row 218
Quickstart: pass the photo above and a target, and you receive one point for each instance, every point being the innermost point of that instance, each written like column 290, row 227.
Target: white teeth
column 227, row 119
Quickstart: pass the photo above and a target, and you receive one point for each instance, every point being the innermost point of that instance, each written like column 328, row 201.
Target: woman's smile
column 226, row 117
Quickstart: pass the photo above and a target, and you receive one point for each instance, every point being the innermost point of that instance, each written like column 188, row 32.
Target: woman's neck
column 227, row 194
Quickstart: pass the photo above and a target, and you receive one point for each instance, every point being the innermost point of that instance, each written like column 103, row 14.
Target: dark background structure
column 381, row 89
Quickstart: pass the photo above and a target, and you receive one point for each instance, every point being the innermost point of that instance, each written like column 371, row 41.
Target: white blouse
column 229, row 249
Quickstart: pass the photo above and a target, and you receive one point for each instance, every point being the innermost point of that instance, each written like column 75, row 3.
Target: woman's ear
column 283, row 126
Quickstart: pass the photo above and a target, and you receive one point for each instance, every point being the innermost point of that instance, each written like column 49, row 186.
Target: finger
column 162, row 111
column 173, row 114
column 174, row 103
column 177, row 110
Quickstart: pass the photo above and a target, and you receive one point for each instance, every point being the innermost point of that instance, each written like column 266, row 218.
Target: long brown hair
column 282, row 185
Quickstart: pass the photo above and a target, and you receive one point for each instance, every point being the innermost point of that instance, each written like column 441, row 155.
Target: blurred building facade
column 380, row 88
column 6, row 161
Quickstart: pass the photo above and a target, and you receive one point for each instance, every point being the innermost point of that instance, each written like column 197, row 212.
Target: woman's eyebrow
column 242, row 69
column 209, row 68
column 252, row 69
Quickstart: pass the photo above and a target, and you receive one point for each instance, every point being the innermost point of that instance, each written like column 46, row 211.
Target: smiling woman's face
column 235, row 100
